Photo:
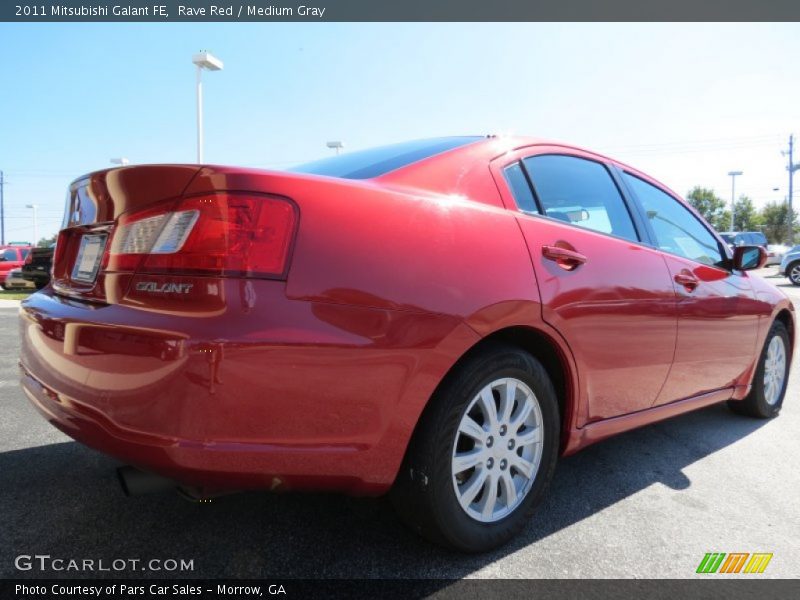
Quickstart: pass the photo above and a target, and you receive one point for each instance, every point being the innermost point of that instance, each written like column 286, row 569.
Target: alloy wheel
column 497, row 450
column 774, row 370
column 794, row 274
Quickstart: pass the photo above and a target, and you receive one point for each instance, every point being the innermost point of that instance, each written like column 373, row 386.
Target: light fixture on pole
column 335, row 145
column 733, row 175
column 35, row 223
column 122, row 161
column 203, row 60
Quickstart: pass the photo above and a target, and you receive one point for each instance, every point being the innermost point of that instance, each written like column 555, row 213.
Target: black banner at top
column 397, row 10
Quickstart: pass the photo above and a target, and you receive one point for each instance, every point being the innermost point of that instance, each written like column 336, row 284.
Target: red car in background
column 11, row 257
column 441, row 319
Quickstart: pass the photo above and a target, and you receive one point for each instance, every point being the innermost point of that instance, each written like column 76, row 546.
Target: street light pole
column 733, row 175
column 199, row 114
column 35, row 224
column 203, row 60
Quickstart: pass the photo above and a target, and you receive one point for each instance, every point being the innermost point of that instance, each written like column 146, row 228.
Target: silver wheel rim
column 497, row 450
column 794, row 274
column 774, row 370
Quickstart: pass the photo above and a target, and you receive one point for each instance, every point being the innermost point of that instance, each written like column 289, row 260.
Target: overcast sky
column 684, row 103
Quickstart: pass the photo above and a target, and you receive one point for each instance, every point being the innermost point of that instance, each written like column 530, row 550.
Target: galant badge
column 164, row 288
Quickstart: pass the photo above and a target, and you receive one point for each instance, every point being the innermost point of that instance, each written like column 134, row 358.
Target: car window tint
column 9, row 254
column 580, row 192
column 759, row 239
column 520, row 188
column 676, row 229
column 24, row 253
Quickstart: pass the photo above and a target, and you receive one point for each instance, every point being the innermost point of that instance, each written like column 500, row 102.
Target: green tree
column 775, row 221
column 46, row 242
column 746, row 217
column 711, row 206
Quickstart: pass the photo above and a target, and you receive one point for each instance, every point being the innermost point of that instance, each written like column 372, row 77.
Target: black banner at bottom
column 464, row 589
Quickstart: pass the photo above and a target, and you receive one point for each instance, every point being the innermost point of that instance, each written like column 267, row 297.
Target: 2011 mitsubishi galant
column 440, row 318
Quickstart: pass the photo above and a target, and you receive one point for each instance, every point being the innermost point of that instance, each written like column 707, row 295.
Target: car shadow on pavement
column 63, row 500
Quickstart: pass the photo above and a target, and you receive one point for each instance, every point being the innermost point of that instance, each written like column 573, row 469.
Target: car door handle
column 687, row 280
column 565, row 258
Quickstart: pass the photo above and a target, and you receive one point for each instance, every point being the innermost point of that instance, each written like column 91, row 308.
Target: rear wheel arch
column 538, row 344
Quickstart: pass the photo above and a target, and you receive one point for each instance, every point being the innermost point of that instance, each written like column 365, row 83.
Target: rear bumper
column 266, row 393
column 197, row 463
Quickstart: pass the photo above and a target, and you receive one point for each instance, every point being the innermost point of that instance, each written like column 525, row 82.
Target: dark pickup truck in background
column 37, row 266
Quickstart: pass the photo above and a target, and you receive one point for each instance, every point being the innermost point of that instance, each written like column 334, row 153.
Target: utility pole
column 791, row 168
column 2, row 214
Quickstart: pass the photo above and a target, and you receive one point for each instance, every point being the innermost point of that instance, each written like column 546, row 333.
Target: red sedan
column 441, row 319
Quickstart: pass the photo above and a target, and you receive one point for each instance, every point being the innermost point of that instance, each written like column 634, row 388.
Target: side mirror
column 746, row 258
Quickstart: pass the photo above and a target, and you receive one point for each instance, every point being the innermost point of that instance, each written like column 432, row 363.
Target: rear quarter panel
column 417, row 279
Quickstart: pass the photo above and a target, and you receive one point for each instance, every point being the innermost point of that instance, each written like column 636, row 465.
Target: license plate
column 89, row 256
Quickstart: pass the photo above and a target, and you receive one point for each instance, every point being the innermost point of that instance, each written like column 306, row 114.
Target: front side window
column 676, row 229
column 9, row 254
column 580, row 192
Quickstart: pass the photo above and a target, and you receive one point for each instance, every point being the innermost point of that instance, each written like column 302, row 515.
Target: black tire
column 424, row 494
column 755, row 404
column 40, row 284
column 793, row 272
column 3, row 285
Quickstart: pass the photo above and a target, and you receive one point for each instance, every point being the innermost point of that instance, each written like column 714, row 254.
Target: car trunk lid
column 94, row 204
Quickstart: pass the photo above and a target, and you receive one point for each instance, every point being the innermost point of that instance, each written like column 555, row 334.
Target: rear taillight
column 216, row 234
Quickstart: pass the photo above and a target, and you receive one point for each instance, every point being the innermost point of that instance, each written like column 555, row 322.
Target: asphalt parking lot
column 649, row 503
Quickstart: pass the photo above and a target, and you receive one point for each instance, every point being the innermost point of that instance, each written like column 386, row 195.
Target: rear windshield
column 375, row 162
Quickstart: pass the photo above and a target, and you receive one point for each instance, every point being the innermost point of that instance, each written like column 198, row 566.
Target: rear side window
column 520, row 188
column 24, row 252
column 676, row 229
column 580, row 192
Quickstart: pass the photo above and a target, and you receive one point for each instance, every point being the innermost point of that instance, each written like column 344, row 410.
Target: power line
column 738, row 139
